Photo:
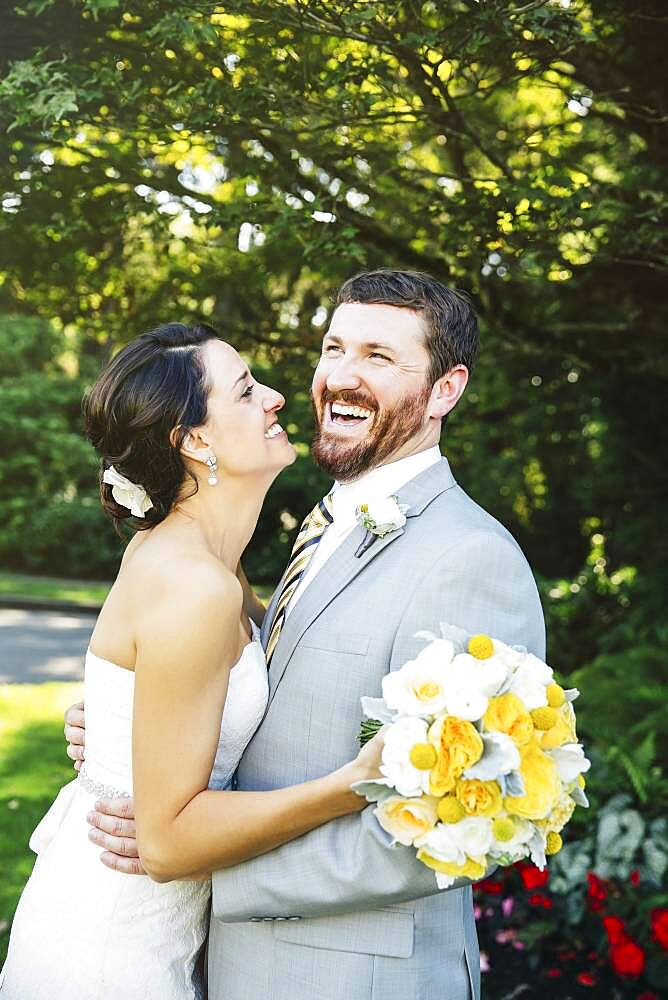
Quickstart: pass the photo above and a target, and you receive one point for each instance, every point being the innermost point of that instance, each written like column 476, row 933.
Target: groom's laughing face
column 370, row 390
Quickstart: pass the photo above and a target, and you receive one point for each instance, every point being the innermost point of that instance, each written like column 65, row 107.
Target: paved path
column 42, row 645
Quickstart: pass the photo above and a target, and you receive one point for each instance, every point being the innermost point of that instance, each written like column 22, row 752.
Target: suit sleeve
column 483, row 585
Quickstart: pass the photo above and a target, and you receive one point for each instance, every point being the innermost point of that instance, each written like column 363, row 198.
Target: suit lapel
column 342, row 567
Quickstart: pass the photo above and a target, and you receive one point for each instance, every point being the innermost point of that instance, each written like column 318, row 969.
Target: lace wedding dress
column 84, row 931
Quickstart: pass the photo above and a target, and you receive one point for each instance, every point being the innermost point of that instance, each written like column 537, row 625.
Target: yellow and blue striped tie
column 312, row 529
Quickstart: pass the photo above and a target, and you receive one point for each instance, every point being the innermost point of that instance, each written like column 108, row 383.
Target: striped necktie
column 310, row 533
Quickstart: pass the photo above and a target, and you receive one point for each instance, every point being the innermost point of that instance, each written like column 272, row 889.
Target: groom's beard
column 391, row 430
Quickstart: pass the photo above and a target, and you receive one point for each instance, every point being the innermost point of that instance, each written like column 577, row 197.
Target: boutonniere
column 379, row 517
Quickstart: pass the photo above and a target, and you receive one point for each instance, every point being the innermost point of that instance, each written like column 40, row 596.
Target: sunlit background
column 235, row 162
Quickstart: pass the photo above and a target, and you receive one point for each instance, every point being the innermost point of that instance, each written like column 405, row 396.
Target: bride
column 175, row 682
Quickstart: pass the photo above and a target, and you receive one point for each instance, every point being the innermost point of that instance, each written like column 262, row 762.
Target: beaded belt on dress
column 100, row 789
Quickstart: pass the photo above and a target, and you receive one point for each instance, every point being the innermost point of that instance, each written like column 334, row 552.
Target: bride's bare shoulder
column 169, row 572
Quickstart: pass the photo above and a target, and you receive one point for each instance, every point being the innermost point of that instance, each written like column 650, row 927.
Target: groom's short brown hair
column 450, row 324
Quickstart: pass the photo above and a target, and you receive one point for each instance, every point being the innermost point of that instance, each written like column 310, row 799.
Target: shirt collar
column 383, row 481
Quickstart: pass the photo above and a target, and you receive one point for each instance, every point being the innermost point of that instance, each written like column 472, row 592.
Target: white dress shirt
column 383, row 481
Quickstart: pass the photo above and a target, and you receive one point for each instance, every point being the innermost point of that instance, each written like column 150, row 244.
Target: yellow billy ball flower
column 555, row 695
column 449, row 810
column 480, row 646
column 544, row 718
column 581, row 781
column 364, row 508
column 479, row 798
column 554, row 843
column 503, row 828
column 423, row 756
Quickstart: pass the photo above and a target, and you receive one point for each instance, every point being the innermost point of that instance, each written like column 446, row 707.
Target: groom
column 338, row 912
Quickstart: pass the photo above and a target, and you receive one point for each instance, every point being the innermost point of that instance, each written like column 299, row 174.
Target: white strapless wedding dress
column 84, row 932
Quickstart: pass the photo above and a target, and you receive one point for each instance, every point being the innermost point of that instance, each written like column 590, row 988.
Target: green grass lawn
column 80, row 591
column 33, row 766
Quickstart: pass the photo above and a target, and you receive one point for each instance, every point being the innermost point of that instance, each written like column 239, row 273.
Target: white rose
column 454, row 842
column 400, row 737
column 488, row 676
column 419, row 687
column 570, row 761
column 510, row 656
column 386, row 513
column 406, row 819
column 530, row 681
column 466, row 703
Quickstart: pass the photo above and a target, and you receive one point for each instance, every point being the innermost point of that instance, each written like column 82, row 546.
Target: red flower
column 647, row 995
column 596, row 891
column 659, row 918
column 634, row 878
column 627, row 958
column 554, row 973
column 540, row 899
column 534, row 878
column 614, row 928
column 491, row 886
column 586, row 978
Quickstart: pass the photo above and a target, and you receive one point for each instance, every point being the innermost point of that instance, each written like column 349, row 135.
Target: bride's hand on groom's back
column 75, row 733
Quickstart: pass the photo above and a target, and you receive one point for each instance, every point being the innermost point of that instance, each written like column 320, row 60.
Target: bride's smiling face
column 242, row 427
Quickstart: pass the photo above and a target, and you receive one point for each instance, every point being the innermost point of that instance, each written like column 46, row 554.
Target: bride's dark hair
column 155, row 384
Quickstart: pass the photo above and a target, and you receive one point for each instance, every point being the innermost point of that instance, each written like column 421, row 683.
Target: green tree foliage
column 50, row 516
column 236, row 161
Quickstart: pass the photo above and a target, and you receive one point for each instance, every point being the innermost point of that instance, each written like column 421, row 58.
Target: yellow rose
column 406, row 819
column 542, row 786
column 470, row 869
column 459, row 745
column 479, row 798
column 563, row 730
column 507, row 714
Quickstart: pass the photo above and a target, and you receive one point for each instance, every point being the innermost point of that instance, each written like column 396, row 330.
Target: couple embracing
column 214, row 783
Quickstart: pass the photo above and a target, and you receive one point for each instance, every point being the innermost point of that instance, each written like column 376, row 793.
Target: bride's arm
column 185, row 648
column 253, row 606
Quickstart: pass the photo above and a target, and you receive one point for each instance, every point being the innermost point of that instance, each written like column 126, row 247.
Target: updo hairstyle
column 156, row 383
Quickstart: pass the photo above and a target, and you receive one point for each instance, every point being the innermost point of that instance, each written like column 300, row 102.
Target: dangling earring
column 213, row 468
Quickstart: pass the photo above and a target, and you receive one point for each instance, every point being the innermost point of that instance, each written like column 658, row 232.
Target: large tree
column 237, row 160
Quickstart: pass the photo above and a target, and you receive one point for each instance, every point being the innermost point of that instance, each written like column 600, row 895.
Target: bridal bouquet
column 481, row 764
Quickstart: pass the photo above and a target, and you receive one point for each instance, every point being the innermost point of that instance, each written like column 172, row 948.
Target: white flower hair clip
column 127, row 494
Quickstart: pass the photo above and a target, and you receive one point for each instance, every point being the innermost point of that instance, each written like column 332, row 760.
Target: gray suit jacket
column 337, row 912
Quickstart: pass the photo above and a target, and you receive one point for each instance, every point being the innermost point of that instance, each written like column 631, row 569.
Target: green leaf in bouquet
column 368, row 730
